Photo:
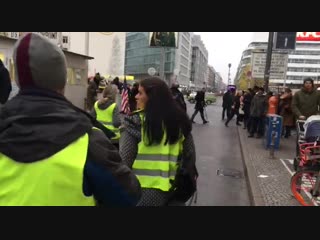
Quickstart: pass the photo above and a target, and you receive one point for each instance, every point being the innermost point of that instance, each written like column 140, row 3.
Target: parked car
column 210, row 98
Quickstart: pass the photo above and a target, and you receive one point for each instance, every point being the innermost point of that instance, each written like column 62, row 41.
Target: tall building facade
column 199, row 62
column 107, row 49
column 184, row 58
column 303, row 62
column 139, row 57
column 211, row 73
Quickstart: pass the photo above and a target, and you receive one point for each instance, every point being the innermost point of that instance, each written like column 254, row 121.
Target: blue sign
column 273, row 131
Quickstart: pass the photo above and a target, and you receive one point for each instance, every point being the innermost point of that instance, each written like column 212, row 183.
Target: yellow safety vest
column 106, row 118
column 55, row 181
column 155, row 166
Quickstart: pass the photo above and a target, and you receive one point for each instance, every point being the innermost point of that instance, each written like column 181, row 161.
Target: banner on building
column 163, row 39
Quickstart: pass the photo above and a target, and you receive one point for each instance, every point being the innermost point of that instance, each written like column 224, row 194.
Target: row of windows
column 305, row 52
column 303, row 69
column 140, row 68
column 307, row 45
column 142, row 52
column 247, row 53
column 143, row 59
column 307, row 61
column 295, row 78
column 187, row 34
column 143, row 68
column 184, row 70
column 185, row 42
column 137, row 44
column 184, row 51
column 148, row 59
column 184, row 61
column 132, row 36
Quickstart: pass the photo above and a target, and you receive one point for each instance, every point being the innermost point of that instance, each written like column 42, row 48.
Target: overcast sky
column 225, row 48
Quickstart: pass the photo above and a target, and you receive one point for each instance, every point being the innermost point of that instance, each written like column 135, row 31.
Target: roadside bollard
column 272, row 145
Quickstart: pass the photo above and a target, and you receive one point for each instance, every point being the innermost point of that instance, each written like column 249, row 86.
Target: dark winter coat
column 306, row 103
column 37, row 124
column 259, row 106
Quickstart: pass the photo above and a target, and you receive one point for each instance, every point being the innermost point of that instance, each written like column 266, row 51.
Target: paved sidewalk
column 269, row 179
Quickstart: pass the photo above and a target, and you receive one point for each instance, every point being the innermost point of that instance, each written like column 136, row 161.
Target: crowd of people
column 252, row 106
column 143, row 154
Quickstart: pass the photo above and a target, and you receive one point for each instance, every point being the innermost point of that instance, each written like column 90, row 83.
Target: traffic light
column 285, row 40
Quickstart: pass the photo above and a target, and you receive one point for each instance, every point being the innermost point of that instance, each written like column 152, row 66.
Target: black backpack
column 185, row 184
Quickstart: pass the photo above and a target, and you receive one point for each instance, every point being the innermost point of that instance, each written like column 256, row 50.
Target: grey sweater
column 130, row 138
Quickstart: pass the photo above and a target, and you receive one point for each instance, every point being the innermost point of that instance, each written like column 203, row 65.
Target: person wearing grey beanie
column 52, row 152
column 106, row 111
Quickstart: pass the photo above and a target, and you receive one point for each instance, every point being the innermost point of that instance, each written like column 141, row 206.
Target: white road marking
column 263, row 176
column 292, row 173
column 285, row 165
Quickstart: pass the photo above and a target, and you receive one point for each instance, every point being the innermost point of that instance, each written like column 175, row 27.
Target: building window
column 65, row 39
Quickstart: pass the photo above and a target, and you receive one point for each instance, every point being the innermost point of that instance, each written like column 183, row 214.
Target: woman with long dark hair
column 158, row 145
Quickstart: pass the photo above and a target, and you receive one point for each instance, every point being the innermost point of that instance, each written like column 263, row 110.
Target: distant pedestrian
column 235, row 109
column 273, row 102
column 247, row 98
column 132, row 97
column 227, row 104
column 92, row 91
column 286, row 112
column 258, row 111
column 200, row 105
column 178, row 96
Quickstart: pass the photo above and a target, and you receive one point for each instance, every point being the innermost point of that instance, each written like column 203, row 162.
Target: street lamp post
column 229, row 75
column 268, row 63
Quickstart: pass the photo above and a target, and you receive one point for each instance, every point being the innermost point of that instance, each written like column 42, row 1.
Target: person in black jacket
column 54, row 153
column 200, row 105
column 178, row 96
column 5, row 84
column 227, row 103
column 235, row 110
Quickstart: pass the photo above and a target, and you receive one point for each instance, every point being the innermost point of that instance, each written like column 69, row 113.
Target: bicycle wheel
column 302, row 184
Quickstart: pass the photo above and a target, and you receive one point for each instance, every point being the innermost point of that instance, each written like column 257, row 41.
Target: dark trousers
column 201, row 113
column 231, row 115
column 257, row 126
column 224, row 111
column 286, row 131
column 246, row 118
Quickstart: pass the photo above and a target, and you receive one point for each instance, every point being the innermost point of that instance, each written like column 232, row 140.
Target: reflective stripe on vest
column 105, row 117
column 55, row 181
column 156, row 165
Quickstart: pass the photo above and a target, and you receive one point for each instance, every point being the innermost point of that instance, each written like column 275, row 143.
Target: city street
column 219, row 161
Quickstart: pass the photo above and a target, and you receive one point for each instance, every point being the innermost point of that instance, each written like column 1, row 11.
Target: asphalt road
column 219, row 161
